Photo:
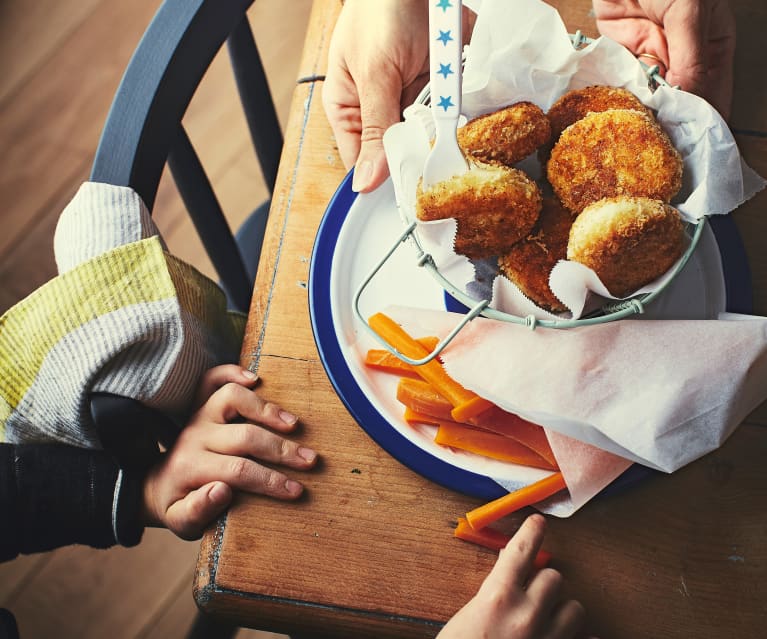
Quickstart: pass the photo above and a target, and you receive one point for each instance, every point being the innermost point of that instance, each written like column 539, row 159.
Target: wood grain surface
column 368, row 551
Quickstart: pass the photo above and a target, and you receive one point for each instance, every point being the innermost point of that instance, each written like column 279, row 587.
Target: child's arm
column 219, row 451
column 515, row 600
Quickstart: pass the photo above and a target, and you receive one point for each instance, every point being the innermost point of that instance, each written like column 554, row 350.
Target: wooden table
column 368, row 551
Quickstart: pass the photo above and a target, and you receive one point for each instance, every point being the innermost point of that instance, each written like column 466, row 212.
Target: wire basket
column 608, row 312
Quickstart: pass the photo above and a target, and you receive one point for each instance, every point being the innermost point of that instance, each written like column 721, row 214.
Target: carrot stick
column 432, row 371
column 531, row 435
column 383, row 360
column 488, row 444
column 474, row 407
column 422, row 397
column 535, row 492
column 493, row 539
column 413, row 417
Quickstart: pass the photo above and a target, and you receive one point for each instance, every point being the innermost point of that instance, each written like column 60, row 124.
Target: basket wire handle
column 423, row 259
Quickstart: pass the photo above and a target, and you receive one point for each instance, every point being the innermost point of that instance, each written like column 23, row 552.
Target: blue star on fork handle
column 446, row 101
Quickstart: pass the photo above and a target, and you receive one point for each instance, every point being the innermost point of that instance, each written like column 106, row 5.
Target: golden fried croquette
column 627, row 241
column 575, row 104
column 507, row 135
column 615, row 152
column 494, row 205
column 529, row 262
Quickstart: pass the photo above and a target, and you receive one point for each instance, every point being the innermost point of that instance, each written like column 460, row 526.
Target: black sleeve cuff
column 53, row 495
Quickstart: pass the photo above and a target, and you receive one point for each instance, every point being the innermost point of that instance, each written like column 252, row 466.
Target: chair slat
column 256, row 99
column 209, row 220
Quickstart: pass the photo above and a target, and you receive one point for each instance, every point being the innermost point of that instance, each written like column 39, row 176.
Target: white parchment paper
column 661, row 393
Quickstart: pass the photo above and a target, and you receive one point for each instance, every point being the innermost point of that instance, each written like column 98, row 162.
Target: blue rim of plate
column 739, row 299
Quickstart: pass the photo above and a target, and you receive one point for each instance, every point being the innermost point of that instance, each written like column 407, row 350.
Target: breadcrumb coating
column 494, row 205
column 507, row 135
column 578, row 103
column 627, row 241
column 615, row 152
column 529, row 262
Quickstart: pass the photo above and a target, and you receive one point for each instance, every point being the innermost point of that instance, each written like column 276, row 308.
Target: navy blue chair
column 144, row 132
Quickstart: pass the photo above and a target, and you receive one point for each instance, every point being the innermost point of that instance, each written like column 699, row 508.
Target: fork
column 445, row 160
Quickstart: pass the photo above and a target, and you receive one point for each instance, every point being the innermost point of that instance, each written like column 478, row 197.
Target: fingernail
column 293, row 487
column 217, row 493
column 362, row 174
column 288, row 418
column 249, row 374
column 307, row 454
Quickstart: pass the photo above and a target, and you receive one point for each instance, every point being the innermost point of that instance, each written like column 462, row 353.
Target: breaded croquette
column 494, row 205
column 507, row 135
column 627, row 241
column 529, row 262
column 576, row 104
column 615, row 152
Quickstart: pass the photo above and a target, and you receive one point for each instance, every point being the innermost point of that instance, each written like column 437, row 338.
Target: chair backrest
column 144, row 132
column 144, row 128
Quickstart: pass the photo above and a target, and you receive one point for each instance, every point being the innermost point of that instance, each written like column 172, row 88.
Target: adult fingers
column 685, row 24
column 515, row 561
column 341, row 103
column 249, row 440
column 380, row 95
column 233, row 401
column 214, row 378
column 189, row 516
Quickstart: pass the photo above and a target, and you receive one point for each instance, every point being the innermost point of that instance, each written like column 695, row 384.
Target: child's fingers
column 233, row 401
column 247, row 475
column 249, row 440
column 189, row 516
column 216, row 377
column 515, row 561
column 567, row 620
column 544, row 590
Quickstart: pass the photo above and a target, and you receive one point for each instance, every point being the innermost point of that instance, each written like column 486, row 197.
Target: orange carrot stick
column 422, row 397
column 493, row 511
column 493, row 539
column 413, row 417
column 432, row 371
column 383, row 360
column 488, row 444
column 531, row 435
column 471, row 409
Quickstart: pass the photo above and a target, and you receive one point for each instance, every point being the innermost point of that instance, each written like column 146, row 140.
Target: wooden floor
column 60, row 63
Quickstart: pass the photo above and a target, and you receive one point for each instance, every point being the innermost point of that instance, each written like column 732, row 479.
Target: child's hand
column 215, row 453
column 514, row 600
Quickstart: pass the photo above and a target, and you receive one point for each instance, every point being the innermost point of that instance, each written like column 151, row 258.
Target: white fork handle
column 445, row 43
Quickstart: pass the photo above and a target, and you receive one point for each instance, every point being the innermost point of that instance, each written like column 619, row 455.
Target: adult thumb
column 380, row 96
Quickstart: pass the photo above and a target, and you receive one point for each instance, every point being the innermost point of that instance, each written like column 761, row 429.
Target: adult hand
column 514, row 600
column 219, row 451
column 693, row 41
column 378, row 61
